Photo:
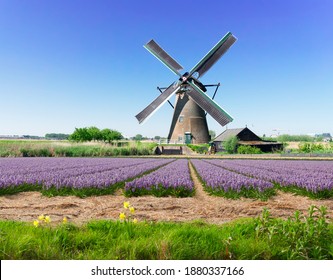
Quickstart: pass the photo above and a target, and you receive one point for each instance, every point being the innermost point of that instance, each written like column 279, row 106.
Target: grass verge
column 300, row 237
column 47, row 148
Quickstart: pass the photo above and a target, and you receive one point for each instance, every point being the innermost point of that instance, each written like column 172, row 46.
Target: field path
column 28, row 206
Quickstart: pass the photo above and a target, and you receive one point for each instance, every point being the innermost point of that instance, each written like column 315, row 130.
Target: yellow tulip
column 126, row 204
column 122, row 216
column 64, row 220
column 41, row 217
column 135, row 221
column 47, row 219
column 36, row 223
column 132, row 210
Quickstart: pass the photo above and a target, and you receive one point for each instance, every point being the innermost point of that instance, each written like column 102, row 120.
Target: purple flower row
column 73, row 172
column 312, row 176
column 219, row 178
column 173, row 176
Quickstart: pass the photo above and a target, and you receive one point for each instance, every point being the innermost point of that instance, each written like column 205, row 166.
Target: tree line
column 95, row 134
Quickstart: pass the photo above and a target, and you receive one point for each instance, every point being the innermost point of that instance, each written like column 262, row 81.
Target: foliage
column 93, row 133
column 212, row 134
column 230, row 145
column 199, row 148
column 40, row 148
column 247, row 192
column 57, row 136
column 242, row 149
column 299, row 237
column 108, row 135
column 295, row 138
column 138, row 137
column 306, row 147
column 320, row 193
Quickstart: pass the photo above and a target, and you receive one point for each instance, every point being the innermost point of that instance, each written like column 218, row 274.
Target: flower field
column 221, row 181
column 172, row 179
column 312, row 178
column 77, row 174
column 164, row 177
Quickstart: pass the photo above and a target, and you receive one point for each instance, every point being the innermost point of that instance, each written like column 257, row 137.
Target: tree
column 138, row 137
column 230, row 145
column 57, row 136
column 212, row 134
column 95, row 133
column 109, row 135
column 80, row 135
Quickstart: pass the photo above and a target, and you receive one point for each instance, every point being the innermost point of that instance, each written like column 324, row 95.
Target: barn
column 246, row 137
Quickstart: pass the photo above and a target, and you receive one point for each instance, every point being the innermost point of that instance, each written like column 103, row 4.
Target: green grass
column 64, row 191
column 45, row 148
column 160, row 191
column 319, row 194
column 244, row 192
column 200, row 149
column 299, row 237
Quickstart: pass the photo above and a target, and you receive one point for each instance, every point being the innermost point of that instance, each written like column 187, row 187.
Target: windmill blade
column 162, row 55
column 209, row 105
column 214, row 54
column 158, row 102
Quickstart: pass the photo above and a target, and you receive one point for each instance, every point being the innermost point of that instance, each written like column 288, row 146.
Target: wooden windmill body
column 189, row 123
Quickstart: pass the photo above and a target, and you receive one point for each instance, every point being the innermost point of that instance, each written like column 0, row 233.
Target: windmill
column 189, row 118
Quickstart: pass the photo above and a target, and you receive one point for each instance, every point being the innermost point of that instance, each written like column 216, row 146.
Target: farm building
column 247, row 138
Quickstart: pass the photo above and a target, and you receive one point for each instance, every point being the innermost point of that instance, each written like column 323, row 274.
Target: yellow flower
column 41, row 217
column 64, row 220
column 135, row 221
column 122, row 216
column 36, row 223
column 126, row 204
column 47, row 219
column 132, row 210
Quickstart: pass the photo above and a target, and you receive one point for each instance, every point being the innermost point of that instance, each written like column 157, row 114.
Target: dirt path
column 29, row 205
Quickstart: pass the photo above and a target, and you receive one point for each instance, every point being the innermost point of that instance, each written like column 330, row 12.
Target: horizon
column 81, row 64
column 16, row 136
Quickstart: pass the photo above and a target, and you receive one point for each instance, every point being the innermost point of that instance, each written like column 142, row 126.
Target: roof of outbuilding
column 228, row 133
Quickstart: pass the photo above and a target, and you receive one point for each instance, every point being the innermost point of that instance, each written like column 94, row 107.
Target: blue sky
column 67, row 64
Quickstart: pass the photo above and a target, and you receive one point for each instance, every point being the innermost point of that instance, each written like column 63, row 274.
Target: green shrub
column 248, row 150
column 230, row 145
column 299, row 237
column 306, row 147
column 36, row 152
column 200, row 149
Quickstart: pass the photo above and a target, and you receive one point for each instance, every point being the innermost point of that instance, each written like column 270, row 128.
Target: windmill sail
column 209, row 105
column 189, row 118
column 162, row 55
column 214, row 54
column 157, row 103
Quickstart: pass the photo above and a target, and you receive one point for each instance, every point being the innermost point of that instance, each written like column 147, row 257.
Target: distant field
column 48, row 148
column 295, row 145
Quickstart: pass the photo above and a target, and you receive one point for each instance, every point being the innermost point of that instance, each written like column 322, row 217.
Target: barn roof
column 229, row 133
